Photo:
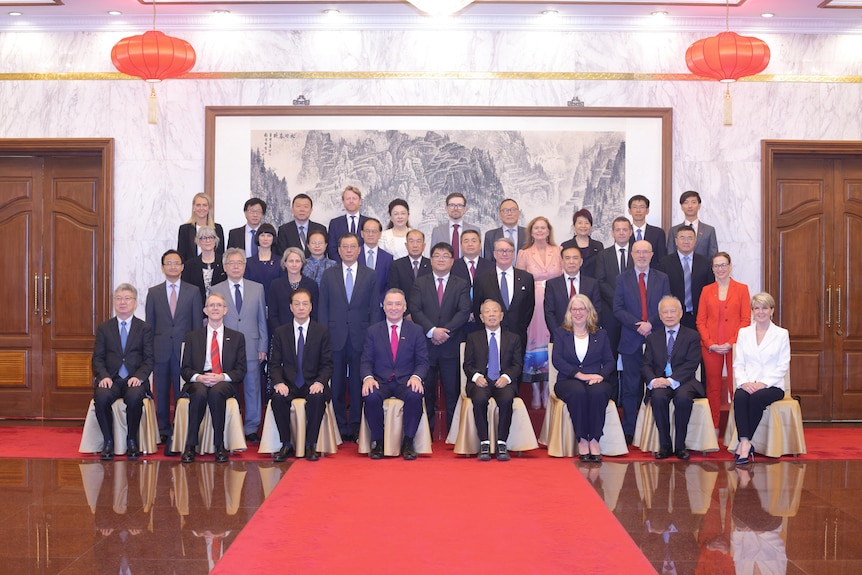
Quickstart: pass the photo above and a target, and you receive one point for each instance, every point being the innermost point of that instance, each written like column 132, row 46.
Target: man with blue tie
column 375, row 257
column 243, row 237
column 122, row 362
column 349, row 303
column 641, row 230
column 173, row 309
column 688, row 272
column 300, row 366
column 510, row 213
column 493, row 360
column 394, row 364
column 350, row 223
column 671, row 358
column 295, row 234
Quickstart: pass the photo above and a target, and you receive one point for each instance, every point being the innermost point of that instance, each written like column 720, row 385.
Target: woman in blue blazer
column 583, row 358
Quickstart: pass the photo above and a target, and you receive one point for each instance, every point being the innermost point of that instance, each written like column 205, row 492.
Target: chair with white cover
column 393, row 430
column 464, row 435
column 234, row 438
column 148, row 438
column 328, row 439
column 558, row 431
column 779, row 431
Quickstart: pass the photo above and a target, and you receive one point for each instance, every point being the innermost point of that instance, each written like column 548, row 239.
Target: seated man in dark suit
column 670, row 360
column 294, row 234
column 213, row 365
column 394, row 364
column 122, row 362
column 493, row 360
column 559, row 290
column 300, row 366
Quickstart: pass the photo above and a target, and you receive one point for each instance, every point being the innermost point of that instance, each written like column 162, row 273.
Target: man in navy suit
column 351, row 222
column 295, row 234
column 610, row 263
column 349, row 303
column 376, row 258
column 671, row 358
column 468, row 266
column 688, row 272
column 636, row 299
column 122, row 362
column 519, row 298
column 394, row 364
column 440, row 305
column 173, row 309
column 495, row 377
column 300, row 366
column 707, row 244
column 639, row 209
column 213, row 364
column 404, row 271
column 559, row 290
column 243, row 237
column 509, row 215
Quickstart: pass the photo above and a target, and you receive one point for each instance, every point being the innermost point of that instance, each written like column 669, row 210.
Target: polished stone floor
column 162, row 517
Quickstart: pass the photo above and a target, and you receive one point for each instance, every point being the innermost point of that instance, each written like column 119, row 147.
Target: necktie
column 642, row 288
column 670, row 342
column 511, row 234
column 237, row 297
column 573, row 291
column 352, row 224
column 440, row 292
column 173, row 300
column 639, row 236
column 456, row 241
column 415, row 269
column 393, row 341
column 302, row 236
column 215, row 356
column 253, row 243
column 622, row 260
column 348, row 284
column 300, row 348
column 504, row 290
column 124, row 337
column 493, row 358
column 369, row 261
column 472, row 271
column 686, row 275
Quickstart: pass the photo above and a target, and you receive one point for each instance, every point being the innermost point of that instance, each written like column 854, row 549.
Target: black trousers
column 201, row 396
column 315, row 407
column 748, row 408
column 504, row 396
column 104, row 398
column 683, row 399
column 587, row 405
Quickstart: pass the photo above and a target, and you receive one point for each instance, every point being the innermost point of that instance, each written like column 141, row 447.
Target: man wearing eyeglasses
column 122, row 362
column 509, row 215
column 173, row 309
column 440, row 305
column 450, row 233
column 243, row 237
column 512, row 288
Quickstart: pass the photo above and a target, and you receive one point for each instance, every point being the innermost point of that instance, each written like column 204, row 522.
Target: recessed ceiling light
column 16, row 13
column 767, row 15
column 332, row 12
column 114, row 13
column 659, row 13
column 550, row 13
column 221, row 12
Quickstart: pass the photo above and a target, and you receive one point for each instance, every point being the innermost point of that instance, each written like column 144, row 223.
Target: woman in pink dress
column 541, row 257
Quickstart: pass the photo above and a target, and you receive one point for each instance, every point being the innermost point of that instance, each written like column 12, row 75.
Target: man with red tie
column 559, row 290
column 394, row 364
column 450, row 232
column 213, row 365
column 468, row 266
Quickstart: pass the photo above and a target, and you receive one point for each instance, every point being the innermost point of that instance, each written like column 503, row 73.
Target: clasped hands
column 369, row 384
column 501, row 382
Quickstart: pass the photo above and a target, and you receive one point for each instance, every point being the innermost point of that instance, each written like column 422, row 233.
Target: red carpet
column 62, row 443
column 533, row 515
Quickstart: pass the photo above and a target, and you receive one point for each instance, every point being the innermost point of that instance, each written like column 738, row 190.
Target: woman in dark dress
column 202, row 215
column 264, row 267
column 205, row 270
column 280, row 290
column 582, row 222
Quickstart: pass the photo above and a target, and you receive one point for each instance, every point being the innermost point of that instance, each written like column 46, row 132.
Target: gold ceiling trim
column 297, row 75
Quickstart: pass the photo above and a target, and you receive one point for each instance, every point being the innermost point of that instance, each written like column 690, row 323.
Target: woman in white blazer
column 762, row 358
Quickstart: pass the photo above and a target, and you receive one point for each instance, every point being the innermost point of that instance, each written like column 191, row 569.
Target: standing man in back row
column 244, row 237
column 509, row 215
column 294, row 234
column 707, row 244
column 641, row 230
column 351, row 222
column 450, row 233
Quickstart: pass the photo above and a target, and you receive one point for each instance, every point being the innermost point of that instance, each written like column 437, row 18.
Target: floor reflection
column 125, row 516
column 772, row 517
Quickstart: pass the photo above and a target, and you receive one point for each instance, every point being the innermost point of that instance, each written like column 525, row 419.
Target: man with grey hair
column 122, row 362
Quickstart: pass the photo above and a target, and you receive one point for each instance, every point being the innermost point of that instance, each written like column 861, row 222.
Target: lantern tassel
column 153, row 107
column 728, row 109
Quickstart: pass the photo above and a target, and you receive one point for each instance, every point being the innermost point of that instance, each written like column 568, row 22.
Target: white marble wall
column 158, row 168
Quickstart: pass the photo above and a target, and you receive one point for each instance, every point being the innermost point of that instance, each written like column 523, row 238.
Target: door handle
column 838, row 315
column 35, row 294
column 45, row 280
column 829, row 306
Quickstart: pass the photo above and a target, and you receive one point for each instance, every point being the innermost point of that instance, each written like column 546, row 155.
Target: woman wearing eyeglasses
column 723, row 309
column 206, row 269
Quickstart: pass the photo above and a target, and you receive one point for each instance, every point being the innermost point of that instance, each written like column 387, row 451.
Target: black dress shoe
column 596, row 457
column 502, row 451
column 163, row 438
column 133, row 452
column 252, row 438
column 683, row 454
column 376, row 450
column 188, row 454
column 221, row 454
column 107, row 453
column 284, row 453
column 311, row 453
column 584, row 457
column 484, row 452
column 629, row 438
column 408, row 452
column 663, row 453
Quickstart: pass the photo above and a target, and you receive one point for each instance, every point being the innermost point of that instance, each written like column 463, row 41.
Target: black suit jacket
column 288, row 236
column 108, row 353
column 337, row 228
column 236, row 238
column 701, row 275
column 452, row 315
column 316, row 357
column 655, row 236
column 684, row 360
column 401, row 275
column 168, row 331
column 607, row 272
column 186, row 241
column 460, row 269
column 492, row 236
column 511, row 355
column 232, row 354
column 590, row 255
column 193, row 274
column 557, row 299
column 517, row 318
column 598, row 358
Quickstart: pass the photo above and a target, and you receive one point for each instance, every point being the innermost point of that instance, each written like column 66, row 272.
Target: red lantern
column 727, row 57
column 153, row 56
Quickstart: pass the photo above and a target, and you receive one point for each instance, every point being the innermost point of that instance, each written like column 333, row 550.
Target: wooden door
column 812, row 222
column 55, row 221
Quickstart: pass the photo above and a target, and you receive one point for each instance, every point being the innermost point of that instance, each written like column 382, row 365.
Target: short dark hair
column 446, row 247
column 254, row 202
column 509, row 200
column 621, row 220
column 638, row 198
column 582, row 213
column 373, row 221
column 568, row 248
column 318, row 232
column 302, row 197
column 302, row 291
column 689, row 194
column 169, row 252
column 465, row 232
column 265, row 229
column 456, row 195
column 347, row 236
column 685, row 228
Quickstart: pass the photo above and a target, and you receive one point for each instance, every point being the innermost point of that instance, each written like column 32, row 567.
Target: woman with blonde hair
column 202, row 215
